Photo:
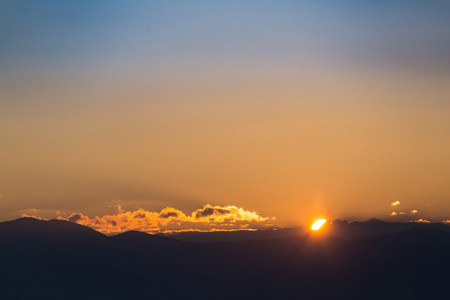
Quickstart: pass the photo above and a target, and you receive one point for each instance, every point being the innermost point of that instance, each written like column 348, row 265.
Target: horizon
column 302, row 228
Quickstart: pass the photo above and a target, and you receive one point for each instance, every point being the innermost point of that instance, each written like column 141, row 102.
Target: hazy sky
column 286, row 109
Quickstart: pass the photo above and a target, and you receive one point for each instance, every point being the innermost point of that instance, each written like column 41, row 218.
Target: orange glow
column 318, row 224
column 207, row 218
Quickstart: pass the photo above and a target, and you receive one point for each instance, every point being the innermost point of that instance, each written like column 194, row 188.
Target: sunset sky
column 166, row 115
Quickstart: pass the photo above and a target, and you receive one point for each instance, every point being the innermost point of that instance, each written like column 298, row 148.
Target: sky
column 217, row 115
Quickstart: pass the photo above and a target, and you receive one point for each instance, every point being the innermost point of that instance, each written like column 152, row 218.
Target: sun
column 318, row 224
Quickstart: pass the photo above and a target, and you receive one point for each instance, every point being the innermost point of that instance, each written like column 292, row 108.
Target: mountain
column 59, row 259
column 374, row 227
column 337, row 228
column 31, row 228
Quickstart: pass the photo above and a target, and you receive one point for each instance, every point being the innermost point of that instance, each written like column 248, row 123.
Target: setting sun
column 318, row 224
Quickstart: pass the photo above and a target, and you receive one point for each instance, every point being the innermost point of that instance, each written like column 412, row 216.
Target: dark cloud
column 209, row 211
column 166, row 215
column 75, row 217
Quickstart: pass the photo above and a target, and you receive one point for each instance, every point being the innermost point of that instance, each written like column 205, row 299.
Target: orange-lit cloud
column 415, row 211
column 402, row 213
column 207, row 218
column 423, row 221
column 395, row 203
column 393, row 213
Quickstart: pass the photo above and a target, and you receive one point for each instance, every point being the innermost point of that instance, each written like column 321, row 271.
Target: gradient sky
column 290, row 109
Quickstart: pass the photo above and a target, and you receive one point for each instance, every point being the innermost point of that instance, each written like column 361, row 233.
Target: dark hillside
column 58, row 259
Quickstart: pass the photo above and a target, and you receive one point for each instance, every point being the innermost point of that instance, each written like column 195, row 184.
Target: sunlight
column 318, row 224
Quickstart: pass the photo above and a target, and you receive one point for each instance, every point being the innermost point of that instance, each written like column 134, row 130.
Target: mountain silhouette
column 61, row 260
column 374, row 227
column 31, row 228
column 375, row 220
column 236, row 236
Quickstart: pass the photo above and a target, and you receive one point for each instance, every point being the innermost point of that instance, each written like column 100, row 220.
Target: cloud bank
column 207, row 218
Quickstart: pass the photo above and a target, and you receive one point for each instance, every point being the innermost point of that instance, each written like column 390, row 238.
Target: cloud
column 209, row 211
column 402, row 213
column 423, row 221
column 221, row 214
column 170, row 212
column 34, row 217
column 393, row 213
column 414, row 211
column 395, row 203
column 76, row 217
column 207, row 218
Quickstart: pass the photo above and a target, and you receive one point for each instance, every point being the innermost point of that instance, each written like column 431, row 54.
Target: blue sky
column 55, row 34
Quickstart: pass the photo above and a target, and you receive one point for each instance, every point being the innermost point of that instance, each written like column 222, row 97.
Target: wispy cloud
column 393, row 213
column 207, row 218
column 395, row 203
column 414, row 211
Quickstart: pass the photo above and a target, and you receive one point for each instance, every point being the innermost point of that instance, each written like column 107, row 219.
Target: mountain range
column 58, row 259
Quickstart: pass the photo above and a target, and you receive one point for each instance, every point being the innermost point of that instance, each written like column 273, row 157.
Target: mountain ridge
column 135, row 265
